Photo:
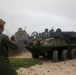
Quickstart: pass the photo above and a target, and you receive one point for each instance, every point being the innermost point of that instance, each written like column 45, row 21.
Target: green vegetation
column 24, row 62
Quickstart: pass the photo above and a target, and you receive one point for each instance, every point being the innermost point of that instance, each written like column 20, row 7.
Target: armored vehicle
column 58, row 46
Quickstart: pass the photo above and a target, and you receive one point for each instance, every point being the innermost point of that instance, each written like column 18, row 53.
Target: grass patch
column 24, row 62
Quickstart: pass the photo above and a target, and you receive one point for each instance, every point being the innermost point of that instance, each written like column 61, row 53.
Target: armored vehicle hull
column 59, row 46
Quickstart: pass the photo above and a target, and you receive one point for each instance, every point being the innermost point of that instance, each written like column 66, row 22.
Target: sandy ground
column 49, row 68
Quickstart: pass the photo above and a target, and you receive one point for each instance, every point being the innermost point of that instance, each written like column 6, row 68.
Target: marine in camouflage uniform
column 5, row 43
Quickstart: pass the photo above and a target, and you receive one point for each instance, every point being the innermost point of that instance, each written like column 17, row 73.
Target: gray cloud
column 38, row 15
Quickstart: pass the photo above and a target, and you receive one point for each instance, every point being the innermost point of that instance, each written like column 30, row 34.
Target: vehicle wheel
column 35, row 56
column 72, row 54
column 64, row 55
column 55, row 56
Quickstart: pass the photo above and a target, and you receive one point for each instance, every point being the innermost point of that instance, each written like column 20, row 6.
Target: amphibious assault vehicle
column 58, row 46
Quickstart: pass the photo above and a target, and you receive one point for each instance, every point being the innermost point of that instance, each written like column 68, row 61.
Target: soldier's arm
column 11, row 44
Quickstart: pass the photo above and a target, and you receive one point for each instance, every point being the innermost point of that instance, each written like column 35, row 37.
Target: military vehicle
column 58, row 46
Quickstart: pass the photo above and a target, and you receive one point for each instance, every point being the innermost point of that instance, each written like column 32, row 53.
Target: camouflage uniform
column 5, row 66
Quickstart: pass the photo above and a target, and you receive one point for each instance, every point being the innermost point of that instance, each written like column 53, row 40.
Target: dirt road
column 49, row 67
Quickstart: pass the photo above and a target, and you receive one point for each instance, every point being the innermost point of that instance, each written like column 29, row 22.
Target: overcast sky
column 36, row 15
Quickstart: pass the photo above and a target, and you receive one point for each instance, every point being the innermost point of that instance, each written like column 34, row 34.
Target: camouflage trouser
column 6, row 68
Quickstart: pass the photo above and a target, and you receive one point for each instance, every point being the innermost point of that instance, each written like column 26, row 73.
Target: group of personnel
column 5, row 43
